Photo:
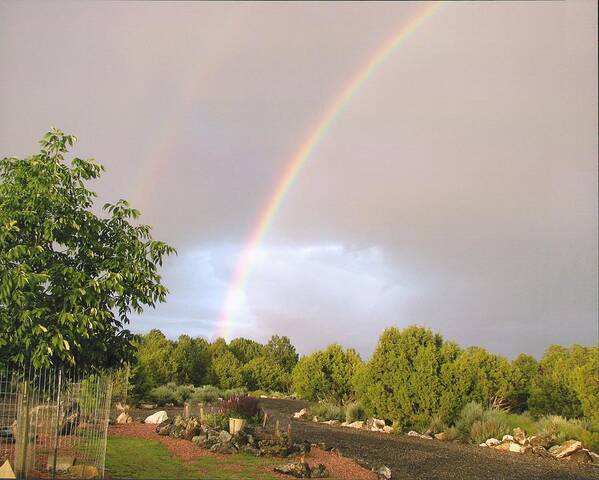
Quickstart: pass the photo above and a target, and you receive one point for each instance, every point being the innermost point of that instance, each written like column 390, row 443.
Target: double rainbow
column 292, row 170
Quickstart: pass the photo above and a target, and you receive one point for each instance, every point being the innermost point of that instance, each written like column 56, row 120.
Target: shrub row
column 178, row 394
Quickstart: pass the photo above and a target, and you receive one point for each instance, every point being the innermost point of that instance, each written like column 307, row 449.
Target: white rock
column 516, row 447
column 483, row 445
column 157, row 417
column 491, row 442
column 301, row 414
column 356, row 424
column 567, row 448
column 375, row 424
column 384, row 472
column 387, row 429
column 123, row 418
column 379, row 423
column 507, row 438
column 412, row 433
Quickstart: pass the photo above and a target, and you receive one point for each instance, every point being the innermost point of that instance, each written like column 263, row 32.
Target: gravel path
column 414, row 458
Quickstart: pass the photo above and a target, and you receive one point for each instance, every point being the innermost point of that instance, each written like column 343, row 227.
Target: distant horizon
column 327, row 170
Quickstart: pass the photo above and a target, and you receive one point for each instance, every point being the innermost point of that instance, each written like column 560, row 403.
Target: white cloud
column 315, row 294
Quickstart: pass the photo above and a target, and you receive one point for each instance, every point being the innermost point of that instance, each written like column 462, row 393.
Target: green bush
column 563, row 429
column 263, row 373
column 482, row 430
column 183, row 393
column 453, row 434
column 354, row 412
column 268, row 393
column 436, row 425
column 163, row 394
column 206, row 394
column 524, row 421
column 326, row 375
column 217, row 420
column 472, row 412
column 403, row 380
column 233, row 392
column 328, row 411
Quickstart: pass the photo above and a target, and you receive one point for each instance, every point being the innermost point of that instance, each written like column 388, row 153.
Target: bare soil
column 412, row 458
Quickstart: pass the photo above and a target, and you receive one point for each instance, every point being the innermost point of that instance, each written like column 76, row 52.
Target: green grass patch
column 136, row 458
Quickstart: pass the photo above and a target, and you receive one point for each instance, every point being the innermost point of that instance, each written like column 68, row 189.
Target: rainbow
column 292, row 170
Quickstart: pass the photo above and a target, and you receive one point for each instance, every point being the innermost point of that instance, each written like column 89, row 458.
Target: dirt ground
column 412, row 458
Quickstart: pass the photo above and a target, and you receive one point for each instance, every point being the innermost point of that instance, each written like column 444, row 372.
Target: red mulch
column 339, row 467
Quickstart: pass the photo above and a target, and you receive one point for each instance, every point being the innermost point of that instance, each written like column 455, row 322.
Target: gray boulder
column 566, row 449
column 295, row 469
column 384, row 473
column 319, row 471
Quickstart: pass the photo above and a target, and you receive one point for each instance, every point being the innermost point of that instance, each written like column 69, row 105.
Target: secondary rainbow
column 247, row 256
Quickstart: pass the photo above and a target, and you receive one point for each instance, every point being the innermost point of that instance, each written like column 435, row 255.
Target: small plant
column 482, row 430
column 453, row 434
column 242, row 406
column 183, row 393
column 162, row 395
column 328, row 411
column 513, row 420
column 563, row 429
column 354, row 412
column 472, row 412
column 436, row 425
column 206, row 394
column 217, row 421
column 233, row 392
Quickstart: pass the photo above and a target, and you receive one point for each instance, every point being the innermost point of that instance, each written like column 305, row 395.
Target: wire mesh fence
column 53, row 422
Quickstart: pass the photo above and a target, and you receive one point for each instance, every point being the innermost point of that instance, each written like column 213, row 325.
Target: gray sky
column 457, row 189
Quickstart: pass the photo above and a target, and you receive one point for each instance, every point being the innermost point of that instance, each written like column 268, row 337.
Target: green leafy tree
column 402, row 381
column 191, row 360
column 155, row 364
column 524, row 372
column 327, row 374
column 261, row 373
column 585, row 383
column 559, row 385
column 245, row 349
column 69, row 278
column 279, row 349
column 201, row 374
column 227, row 370
column 475, row 375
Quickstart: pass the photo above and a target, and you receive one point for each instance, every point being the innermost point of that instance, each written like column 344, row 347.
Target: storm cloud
column 457, row 189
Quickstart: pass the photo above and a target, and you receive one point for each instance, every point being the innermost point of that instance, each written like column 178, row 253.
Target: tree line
column 240, row 363
column 413, row 376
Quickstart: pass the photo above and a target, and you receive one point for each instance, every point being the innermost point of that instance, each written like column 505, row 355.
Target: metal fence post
column 22, row 430
column 57, row 427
